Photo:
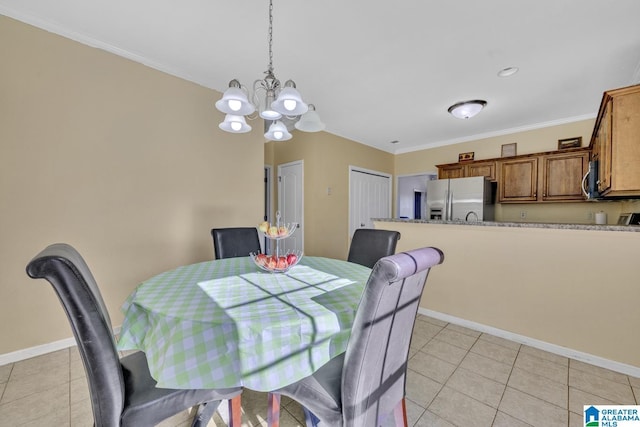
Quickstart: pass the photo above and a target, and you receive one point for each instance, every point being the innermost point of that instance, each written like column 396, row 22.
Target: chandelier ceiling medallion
column 271, row 99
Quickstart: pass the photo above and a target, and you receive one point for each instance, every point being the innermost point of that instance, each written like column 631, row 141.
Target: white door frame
column 268, row 204
column 372, row 172
column 300, row 229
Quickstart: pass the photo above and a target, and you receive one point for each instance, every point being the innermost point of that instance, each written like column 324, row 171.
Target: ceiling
column 379, row 71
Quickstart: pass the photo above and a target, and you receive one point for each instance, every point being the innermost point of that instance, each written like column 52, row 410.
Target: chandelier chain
column 270, row 36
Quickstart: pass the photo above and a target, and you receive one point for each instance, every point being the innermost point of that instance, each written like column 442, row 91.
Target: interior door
column 369, row 197
column 291, row 203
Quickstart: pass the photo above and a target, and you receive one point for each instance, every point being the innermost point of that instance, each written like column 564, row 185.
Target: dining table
column 228, row 323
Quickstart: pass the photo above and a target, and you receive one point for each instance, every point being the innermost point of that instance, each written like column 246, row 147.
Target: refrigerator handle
column 449, row 205
column 445, row 213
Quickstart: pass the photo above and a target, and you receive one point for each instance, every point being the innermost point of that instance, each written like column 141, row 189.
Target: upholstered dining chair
column 365, row 384
column 235, row 242
column 122, row 391
column 368, row 245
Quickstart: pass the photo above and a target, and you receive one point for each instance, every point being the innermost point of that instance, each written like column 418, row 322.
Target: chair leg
column 273, row 410
column 235, row 411
column 400, row 413
column 310, row 419
column 204, row 413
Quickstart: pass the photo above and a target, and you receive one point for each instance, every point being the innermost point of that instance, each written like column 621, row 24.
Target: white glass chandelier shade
column 235, row 101
column 267, row 112
column 278, row 132
column 310, row 121
column 467, row 109
column 289, row 102
column 234, row 124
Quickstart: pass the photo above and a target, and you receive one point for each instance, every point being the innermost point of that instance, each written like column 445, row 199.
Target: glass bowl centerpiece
column 275, row 263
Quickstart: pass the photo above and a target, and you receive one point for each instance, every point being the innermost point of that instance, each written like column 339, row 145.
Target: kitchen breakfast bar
column 571, row 289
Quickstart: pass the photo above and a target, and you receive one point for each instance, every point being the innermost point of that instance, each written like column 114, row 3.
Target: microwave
column 590, row 181
column 629, row 218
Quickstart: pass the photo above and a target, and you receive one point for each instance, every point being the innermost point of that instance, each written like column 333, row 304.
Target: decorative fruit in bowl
column 276, row 264
column 273, row 231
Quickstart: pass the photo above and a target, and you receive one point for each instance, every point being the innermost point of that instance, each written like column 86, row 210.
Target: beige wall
column 326, row 164
column 572, row 288
column 124, row 162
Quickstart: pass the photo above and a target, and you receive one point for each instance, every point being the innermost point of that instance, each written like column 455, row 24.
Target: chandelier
column 271, row 99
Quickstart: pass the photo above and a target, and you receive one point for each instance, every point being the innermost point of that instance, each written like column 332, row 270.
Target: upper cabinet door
column 451, row 171
column 562, row 175
column 518, row 180
column 487, row 169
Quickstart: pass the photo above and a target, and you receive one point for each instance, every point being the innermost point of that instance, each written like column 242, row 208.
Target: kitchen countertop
column 627, row 228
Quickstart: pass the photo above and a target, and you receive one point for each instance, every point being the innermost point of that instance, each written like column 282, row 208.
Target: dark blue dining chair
column 366, row 383
column 122, row 391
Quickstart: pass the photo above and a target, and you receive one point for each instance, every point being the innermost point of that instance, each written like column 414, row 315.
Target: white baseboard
column 634, row 371
column 39, row 350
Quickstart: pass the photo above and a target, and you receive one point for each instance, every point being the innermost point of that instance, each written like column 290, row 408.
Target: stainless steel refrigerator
column 461, row 199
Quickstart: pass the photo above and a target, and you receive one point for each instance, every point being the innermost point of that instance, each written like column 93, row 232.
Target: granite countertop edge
column 626, row 228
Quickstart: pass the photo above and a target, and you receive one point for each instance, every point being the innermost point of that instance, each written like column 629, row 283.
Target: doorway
column 411, row 196
column 291, row 203
column 369, row 197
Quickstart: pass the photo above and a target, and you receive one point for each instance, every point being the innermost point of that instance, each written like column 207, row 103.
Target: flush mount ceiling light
column 507, row 72
column 271, row 99
column 467, row 109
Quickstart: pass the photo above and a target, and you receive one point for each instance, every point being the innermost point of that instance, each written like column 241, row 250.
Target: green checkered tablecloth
column 226, row 323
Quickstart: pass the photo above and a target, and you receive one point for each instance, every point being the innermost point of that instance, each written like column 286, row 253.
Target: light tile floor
column 457, row 377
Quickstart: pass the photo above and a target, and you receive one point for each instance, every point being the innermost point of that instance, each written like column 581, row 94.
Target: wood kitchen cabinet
column 518, row 180
column 463, row 170
column 554, row 176
column 455, row 170
column 562, row 175
column 544, row 177
column 482, row 168
column 616, row 143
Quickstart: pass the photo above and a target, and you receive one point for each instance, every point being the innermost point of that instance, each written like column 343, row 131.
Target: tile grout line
column 4, row 390
column 457, row 367
column 568, row 393
column 426, row 408
column 506, row 384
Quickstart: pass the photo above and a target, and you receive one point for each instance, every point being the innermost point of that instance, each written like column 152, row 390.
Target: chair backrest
column 78, row 292
column 374, row 370
column 235, row 242
column 368, row 245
